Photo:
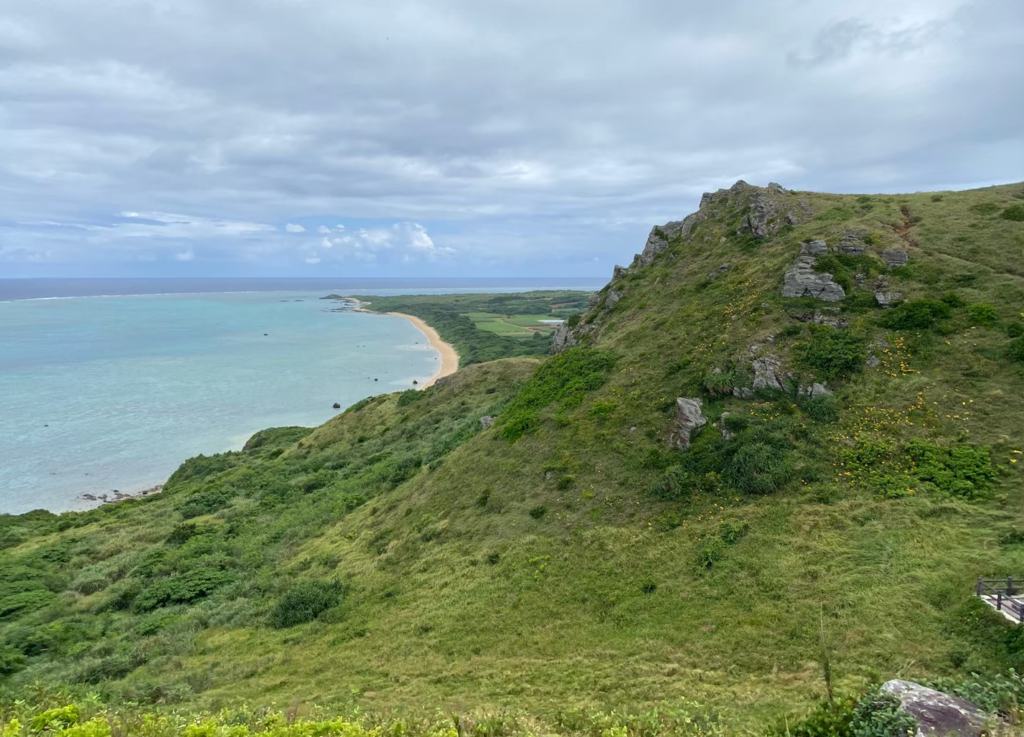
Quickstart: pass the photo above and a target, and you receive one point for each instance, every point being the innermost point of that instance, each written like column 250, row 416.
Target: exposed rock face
column 829, row 316
column 769, row 374
column 802, row 281
column 852, row 242
column 873, row 361
column 894, row 257
column 939, row 714
column 767, row 210
column 743, row 392
column 816, row 390
column 486, row 421
column 618, row 271
column 723, row 426
column 614, row 295
column 886, row 300
column 689, row 418
column 565, row 337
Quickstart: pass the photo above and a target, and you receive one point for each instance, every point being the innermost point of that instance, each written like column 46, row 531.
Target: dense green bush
column 563, row 379
column 983, row 313
column 1014, row 213
column 963, row 471
column 880, row 715
column 181, row 589
column 11, row 661
column 832, row 353
column 304, row 602
column 918, row 314
column 1015, row 350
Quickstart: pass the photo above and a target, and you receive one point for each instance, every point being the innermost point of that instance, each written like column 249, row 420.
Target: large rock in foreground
column 939, row 714
column 689, row 418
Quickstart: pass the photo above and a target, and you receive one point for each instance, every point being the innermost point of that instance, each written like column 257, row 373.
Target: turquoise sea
column 104, row 393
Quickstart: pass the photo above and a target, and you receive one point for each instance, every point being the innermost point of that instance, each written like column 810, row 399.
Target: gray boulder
column 939, row 714
column 614, row 295
column 802, row 281
column 727, row 434
column 894, row 257
column 743, row 392
column 768, row 374
column 486, row 421
column 689, row 418
column 816, row 390
column 852, row 242
column 618, row 271
column 886, row 300
column 873, row 361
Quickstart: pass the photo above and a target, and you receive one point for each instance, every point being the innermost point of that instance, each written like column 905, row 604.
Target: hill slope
column 580, row 551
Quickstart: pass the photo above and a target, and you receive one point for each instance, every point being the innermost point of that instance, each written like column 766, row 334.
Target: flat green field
column 512, row 325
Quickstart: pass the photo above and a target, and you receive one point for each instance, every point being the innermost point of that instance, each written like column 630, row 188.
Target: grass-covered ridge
column 404, row 560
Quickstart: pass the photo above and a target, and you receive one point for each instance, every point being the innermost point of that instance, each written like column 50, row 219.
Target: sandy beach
column 449, row 358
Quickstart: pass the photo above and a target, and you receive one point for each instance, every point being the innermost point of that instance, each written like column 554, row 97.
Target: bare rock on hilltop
column 802, row 281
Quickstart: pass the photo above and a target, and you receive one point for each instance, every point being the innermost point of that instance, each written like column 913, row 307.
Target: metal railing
column 1005, row 594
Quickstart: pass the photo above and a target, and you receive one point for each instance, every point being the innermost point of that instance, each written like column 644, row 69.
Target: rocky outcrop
column 614, row 295
column 486, row 421
column 939, row 714
column 894, row 257
column 829, row 316
column 723, row 426
column 618, row 271
column 852, row 242
column 689, row 419
column 802, row 281
column 765, row 211
column 816, row 390
column 769, row 374
column 336, row 405
column 566, row 337
column 886, row 300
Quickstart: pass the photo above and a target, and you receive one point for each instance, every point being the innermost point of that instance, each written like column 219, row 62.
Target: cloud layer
column 526, row 136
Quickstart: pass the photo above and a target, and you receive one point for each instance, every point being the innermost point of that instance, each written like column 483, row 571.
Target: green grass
column 574, row 564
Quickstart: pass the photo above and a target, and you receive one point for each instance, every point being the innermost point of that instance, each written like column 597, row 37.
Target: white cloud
column 313, row 259
column 323, row 230
column 293, row 228
column 185, row 255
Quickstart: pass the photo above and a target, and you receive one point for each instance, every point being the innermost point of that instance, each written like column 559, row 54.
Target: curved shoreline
column 449, row 356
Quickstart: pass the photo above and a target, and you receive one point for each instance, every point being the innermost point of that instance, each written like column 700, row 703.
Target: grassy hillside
column 566, row 561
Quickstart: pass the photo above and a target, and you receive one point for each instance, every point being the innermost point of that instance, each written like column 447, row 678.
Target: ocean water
column 104, row 393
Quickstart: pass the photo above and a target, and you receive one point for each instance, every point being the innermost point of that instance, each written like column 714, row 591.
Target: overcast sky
column 469, row 137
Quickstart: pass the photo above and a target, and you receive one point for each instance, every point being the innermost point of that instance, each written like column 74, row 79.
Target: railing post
column 1009, row 585
column 977, row 588
column 999, row 601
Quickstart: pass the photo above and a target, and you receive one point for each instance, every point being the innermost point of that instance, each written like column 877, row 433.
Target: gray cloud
column 523, row 135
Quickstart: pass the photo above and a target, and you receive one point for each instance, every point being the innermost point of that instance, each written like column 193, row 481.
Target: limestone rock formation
column 894, row 257
column 886, row 300
column 486, row 421
column 939, row 714
column 802, row 281
column 769, row 374
column 689, row 418
column 852, row 242
column 614, row 295
column 816, row 390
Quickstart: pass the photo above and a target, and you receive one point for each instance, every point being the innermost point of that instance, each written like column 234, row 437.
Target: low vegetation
column 564, row 570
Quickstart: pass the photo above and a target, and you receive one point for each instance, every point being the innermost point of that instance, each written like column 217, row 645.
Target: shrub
column 832, row 353
column 859, row 302
column 304, row 602
column 710, row 552
column 759, row 468
column 182, row 589
column 24, row 602
column 963, row 471
column 538, row 511
column 983, row 313
column 182, row 533
column 573, row 320
column 1014, row 329
column 828, row 719
column 1015, row 350
column 720, row 384
column 821, row 409
column 953, row 299
column 11, row 661
column 918, row 314
column 880, row 715
column 563, row 379
column 1014, row 213
column 409, row 396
